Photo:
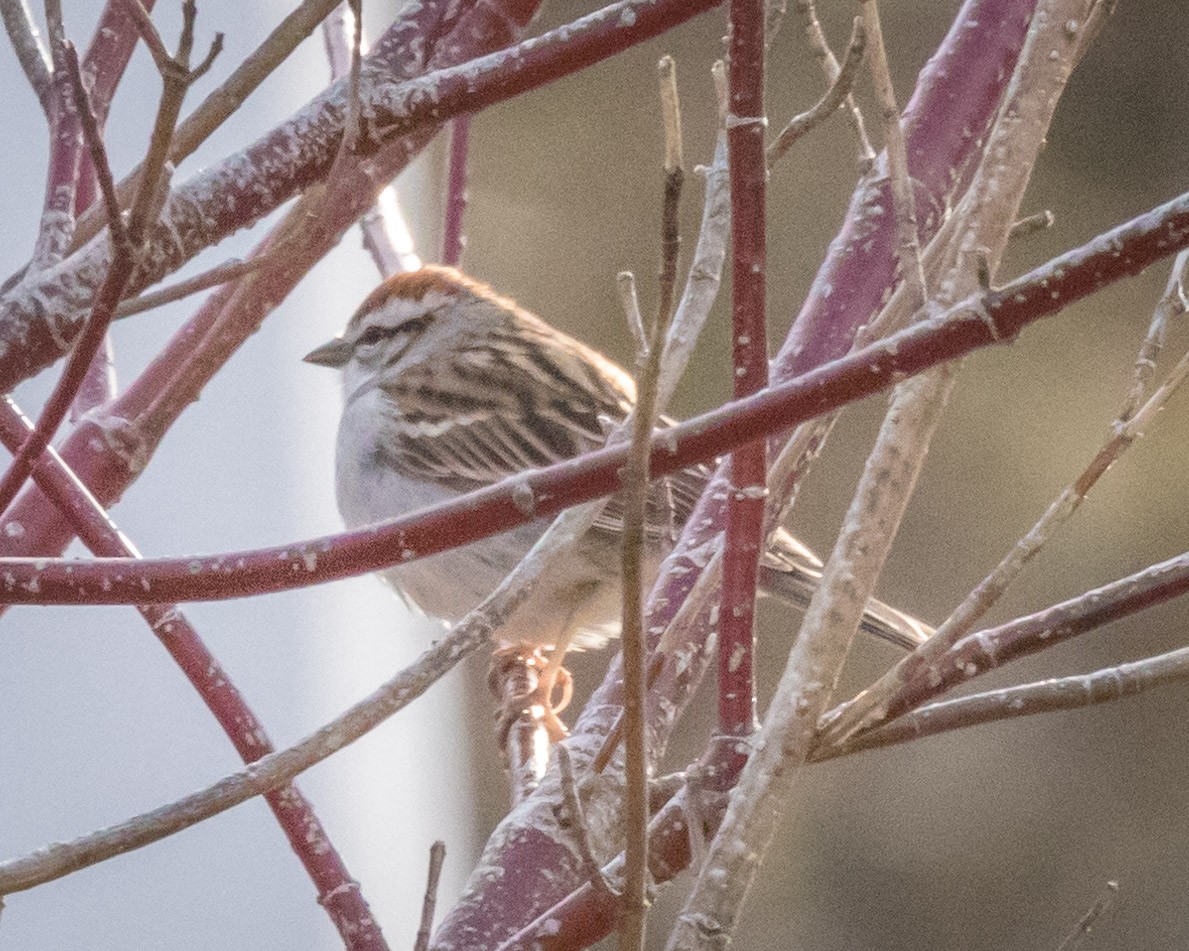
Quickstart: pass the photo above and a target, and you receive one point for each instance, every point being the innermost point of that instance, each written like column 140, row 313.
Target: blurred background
column 995, row 837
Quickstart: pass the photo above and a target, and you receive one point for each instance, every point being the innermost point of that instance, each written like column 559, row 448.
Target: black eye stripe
column 376, row 332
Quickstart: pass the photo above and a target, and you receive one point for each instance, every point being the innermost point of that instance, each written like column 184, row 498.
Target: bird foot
column 527, row 682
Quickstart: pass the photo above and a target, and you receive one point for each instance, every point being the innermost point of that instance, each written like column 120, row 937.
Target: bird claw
column 527, row 682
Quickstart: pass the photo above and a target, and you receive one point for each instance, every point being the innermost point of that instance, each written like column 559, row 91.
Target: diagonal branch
column 991, row 316
column 40, row 316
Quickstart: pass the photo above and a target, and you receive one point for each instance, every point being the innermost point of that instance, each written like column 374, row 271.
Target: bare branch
column 869, row 707
column 837, row 93
column 31, row 54
column 220, row 274
column 437, row 857
column 385, row 234
column 978, row 321
column 903, row 199
column 626, row 282
column 829, row 64
column 1031, row 224
column 1045, row 696
column 453, row 240
column 1171, row 305
column 95, row 145
column 1102, row 906
column 577, row 821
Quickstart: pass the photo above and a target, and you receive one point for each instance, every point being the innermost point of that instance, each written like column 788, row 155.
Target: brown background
column 997, row 837
column 990, row 838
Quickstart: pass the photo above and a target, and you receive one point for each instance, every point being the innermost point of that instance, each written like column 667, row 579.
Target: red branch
column 453, row 241
column 749, row 464
column 956, row 98
column 105, row 60
column 237, row 192
column 337, row 890
column 978, row 653
column 994, row 316
column 109, row 452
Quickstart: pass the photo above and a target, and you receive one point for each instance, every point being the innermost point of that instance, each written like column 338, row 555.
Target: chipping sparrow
column 450, row 387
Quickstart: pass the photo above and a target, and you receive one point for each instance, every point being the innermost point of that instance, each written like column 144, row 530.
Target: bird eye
column 374, row 334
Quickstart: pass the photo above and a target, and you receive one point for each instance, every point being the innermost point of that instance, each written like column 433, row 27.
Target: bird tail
column 793, row 581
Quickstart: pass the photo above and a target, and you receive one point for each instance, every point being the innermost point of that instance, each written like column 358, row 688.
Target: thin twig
column 437, row 857
column 1105, row 902
column 837, row 93
column 1045, row 696
column 829, row 64
column 903, row 199
column 220, row 274
column 1030, row 225
column 94, row 141
column 177, row 77
column 626, row 282
column 869, row 707
column 57, row 223
column 222, row 103
column 576, row 821
column 453, row 239
column 30, row 53
column 385, row 234
column 635, row 506
column 148, row 32
column 1172, row 305
column 352, row 128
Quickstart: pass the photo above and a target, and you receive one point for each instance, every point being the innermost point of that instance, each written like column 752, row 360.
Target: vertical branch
column 66, row 146
column 437, row 856
column 903, row 201
column 453, row 240
column 177, row 77
column 385, row 234
column 745, row 509
column 635, row 503
column 105, row 61
column 26, row 44
column 983, row 220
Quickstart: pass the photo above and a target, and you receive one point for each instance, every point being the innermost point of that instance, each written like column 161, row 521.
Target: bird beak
column 333, row 354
